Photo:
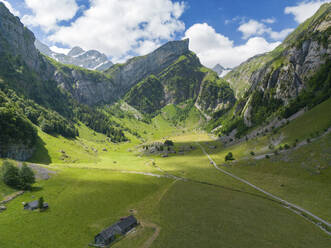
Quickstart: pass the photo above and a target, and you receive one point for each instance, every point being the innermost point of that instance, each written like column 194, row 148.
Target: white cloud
column 213, row 48
column 119, row 28
column 269, row 20
column 10, row 7
column 255, row 28
column 47, row 14
column 60, row 50
column 251, row 28
column 304, row 10
column 280, row 35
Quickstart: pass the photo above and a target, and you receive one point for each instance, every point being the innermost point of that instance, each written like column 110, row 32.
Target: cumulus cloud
column 47, row 14
column 118, row 28
column 269, row 20
column 304, row 9
column 60, row 50
column 213, row 48
column 253, row 28
column 280, row 35
column 10, row 7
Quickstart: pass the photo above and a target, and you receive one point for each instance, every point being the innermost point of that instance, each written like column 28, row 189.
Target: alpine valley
column 201, row 157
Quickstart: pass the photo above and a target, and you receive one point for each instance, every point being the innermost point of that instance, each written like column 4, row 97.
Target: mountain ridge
column 91, row 59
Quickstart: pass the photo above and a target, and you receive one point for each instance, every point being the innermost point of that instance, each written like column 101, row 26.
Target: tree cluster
column 18, row 178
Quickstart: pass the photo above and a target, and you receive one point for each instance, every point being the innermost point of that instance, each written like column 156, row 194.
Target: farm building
column 34, row 205
column 108, row 235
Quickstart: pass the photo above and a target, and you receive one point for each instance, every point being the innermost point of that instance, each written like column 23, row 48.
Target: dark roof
column 33, row 204
column 118, row 227
column 109, row 232
column 127, row 222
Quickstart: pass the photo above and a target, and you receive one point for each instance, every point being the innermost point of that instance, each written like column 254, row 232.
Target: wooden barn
column 107, row 236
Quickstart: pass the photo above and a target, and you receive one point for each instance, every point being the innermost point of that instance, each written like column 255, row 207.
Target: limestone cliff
column 281, row 75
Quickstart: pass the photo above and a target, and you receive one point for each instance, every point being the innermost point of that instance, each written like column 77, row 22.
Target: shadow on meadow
column 41, row 154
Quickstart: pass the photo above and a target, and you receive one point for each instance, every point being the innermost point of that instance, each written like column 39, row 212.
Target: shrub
column 267, row 156
column 17, row 178
column 286, row 146
column 308, row 140
column 27, row 177
column 169, row 143
column 229, row 156
column 41, row 203
column 10, row 175
column 252, row 153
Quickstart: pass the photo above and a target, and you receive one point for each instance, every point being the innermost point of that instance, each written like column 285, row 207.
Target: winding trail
column 156, row 233
column 294, row 208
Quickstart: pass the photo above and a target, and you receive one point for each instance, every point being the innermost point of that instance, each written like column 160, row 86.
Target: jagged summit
column 220, row 70
column 75, row 51
column 91, row 59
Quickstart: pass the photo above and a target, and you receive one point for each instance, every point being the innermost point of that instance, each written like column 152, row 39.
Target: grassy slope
column 89, row 193
column 195, row 215
column 301, row 176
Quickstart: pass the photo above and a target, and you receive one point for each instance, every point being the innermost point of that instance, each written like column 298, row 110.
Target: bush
column 27, row 177
column 17, row 178
column 10, row 175
column 252, row 153
column 286, row 146
column 267, row 156
column 169, row 143
column 229, row 157
column 41, row 203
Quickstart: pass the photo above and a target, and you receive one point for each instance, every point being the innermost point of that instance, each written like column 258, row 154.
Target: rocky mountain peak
column 91, row 59
column 76, row 51
column 220, row 70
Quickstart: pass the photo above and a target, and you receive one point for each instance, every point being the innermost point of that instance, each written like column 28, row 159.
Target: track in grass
column 296, row 209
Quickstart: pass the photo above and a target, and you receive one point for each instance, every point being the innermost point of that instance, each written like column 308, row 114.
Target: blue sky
column 224, row 31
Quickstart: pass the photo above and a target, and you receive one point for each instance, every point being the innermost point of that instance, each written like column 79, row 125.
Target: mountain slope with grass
column 278, row 84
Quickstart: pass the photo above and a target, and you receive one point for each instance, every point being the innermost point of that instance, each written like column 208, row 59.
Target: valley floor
column 180, row 200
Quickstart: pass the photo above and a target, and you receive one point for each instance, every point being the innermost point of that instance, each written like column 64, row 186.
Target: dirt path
column 294, row 208
column 156, row 233
column 8, row 198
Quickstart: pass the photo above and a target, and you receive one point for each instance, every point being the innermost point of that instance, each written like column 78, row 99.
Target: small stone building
column 107, row 236
column 34, row 205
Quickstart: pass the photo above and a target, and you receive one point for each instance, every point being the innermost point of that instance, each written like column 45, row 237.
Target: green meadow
column 180, row 200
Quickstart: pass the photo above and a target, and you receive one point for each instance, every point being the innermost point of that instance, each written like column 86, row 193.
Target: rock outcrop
column 16, row 39
column 282, row 74
column 19, row 152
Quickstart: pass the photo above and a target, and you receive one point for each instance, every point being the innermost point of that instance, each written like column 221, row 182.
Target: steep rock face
column 16, row 39
column 137, row 68
column 215, row 94
column 282, row 74
column 85, row 86
column 92, row 59
column 19, row 152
